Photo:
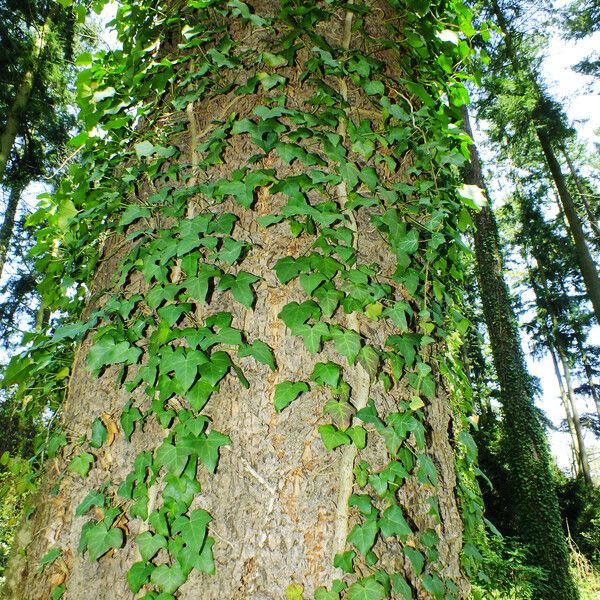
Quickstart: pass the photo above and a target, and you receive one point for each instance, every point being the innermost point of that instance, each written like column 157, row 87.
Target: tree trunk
column 8, row 224
column 13, row 119
column 280, row 503
column 569, row 415
column 537, row 516
column 582, row 252
column 583, row 456
column 583, row 194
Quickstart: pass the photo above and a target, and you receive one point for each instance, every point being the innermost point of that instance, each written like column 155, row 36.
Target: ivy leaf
column 368, row 589
column 401, row 587
column 310, row 281
column 193, row 528
column 322, row 593
column 286, row 269
column 94, row 498
column 207, row 448
column 294, row 314
column 312, row 335
column 149, row 544
column 50, row 556
column 358, row 436
column 329, row 299
column 99, row 434
column 347, row 342
column 409, row 243
column 173, row 458
column 397, row 314
column 363, row 536
column 106, row 351
column 393, row 523
column 100, row 539
column 286, row 392
column 260, row 351
column 138, row 575
column 416, row 558
column 427, row 472
column 327, row 374
column 340, row 411
column 332, row 437
column 168, row 579
column 130, row 416
column 240, row 286
column 343, row 561
column 434, row 585
column 82, row 463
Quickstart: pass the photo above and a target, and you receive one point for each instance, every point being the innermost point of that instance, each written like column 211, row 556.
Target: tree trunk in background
column 582, row 252
column 279, row 500
column 583, row 193
column 565, row 401
column 8, row 223
column 536, row 511
column 583, row 455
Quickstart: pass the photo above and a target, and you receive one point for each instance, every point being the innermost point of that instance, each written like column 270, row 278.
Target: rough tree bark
column 536, row 511
column 279, row 500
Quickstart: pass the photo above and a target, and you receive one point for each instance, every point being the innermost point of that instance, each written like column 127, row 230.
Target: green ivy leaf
column 347, row 342
column 312, row 335
column 260, row 351
column 294, row 314
column 394, row 523
column 416, row 559
column 168, row 579
column 138, row 575
column 50, row 556
column 363, row 536
column 149, row 544
column 172, row 457
column 434, row 585
column 193, row 528
column 286, row 392
column 358, row 436
column 332, row 437
column 94, row 498
column 327, row 374
column 208, row 448
column 240, row 286
column 368, row 589
column 99, row 434
column 82, row 463
column 401, row 587
column 100, row 539
column 343, row 561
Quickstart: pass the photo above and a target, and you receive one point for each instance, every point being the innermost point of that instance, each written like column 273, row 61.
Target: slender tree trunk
column 8, row 223
column 584, row 461
column 583, row 194
column 582, row 251
column 588, row 371
column 565, row 402
column 280, row 502
column 537, row 516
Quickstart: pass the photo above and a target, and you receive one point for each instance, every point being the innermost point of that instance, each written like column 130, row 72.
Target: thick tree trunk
column 582, row 252
column 279, row 501
column 13, row 119
column 8, row 223
column 537, row 516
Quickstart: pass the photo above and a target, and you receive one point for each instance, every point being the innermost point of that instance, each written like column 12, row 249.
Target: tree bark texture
column 279, row 500
column 536, row 512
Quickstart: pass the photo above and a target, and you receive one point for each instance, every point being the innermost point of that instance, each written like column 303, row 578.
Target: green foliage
column 169, row 333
